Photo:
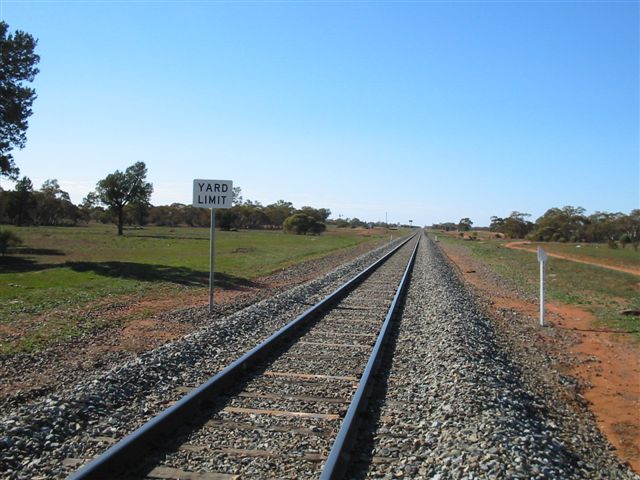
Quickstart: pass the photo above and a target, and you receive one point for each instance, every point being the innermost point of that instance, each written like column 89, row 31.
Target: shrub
column 624, row 239
column 8, row 239
column 317, row 227
column 301, row 224
column 226, row 219
column 612, row 244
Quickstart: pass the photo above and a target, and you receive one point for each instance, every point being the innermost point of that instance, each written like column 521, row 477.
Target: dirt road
column 524, row 246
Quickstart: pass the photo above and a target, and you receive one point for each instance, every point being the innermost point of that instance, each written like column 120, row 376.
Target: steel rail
column 339, row 456
column 127, row 452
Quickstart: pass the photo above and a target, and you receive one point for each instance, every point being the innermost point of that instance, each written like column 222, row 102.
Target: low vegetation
column 567, row 224
column 606, row 293
column 8, row 240
column 62, row 280
column 302, row 224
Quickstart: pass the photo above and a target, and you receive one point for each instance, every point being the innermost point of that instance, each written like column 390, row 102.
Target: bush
column 612, row 244
column 624, row 239
column 301, row 224
column 226, row 219
column 8, row 239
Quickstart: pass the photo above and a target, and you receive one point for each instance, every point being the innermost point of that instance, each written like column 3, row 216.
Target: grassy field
column 620, row 257
column 603, row 292
column 59, row 273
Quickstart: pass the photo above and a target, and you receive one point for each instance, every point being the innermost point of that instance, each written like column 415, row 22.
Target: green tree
column 278, row 212
column 90, row 208
column 355, row 222
column 630, row 225
column 320, row 214
column 119, row 189
column 137, row 213
column 301, row 224
column 602, row 226
column 237, row 196
column 515, row 225
column 226, row 218
column 22, row 202
column 561, row 225
column 53, row 205
column 464, row 225
column 17, row 65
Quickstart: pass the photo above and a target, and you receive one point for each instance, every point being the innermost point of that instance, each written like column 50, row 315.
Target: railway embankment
column 458, row 397
column 461, row 398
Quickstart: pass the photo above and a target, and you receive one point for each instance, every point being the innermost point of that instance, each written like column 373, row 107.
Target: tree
column 17, row 65
column 464, row 225
column 226, row 218
column 22, row 202
column 320, row 214
column 515, row 225
column 237, row 196
column 301, row 224
column 53, row 205
column 603, row 226
column 561, row 225
column 355, row 222
column 122, row 188
column 138, row 213
column 90, row 208
column 278, row 212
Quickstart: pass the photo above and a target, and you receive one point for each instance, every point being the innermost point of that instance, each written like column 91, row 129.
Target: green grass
column 620, row 257
column 60, row 272
column 601, row 291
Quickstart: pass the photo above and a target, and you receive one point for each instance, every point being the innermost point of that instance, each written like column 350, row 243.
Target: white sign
column 542, row 255
column 542, row 258
column 212, row 193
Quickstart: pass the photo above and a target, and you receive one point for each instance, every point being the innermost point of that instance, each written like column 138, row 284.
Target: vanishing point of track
column 288, row 408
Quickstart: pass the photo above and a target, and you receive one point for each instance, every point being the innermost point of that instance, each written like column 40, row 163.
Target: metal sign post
column 212, row 242
column 212, row 194
column 542, row 258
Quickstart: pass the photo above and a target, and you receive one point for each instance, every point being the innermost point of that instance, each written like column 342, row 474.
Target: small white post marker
column 212, row 194
column 542, row 258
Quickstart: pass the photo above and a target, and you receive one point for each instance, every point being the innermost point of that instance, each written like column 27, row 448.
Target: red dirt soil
column 523, row 246
column 609, row 362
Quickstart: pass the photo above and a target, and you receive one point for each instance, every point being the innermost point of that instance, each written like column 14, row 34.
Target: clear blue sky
column 430, row 111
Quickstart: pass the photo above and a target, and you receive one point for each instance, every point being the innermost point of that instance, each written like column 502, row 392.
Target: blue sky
column 430, row 111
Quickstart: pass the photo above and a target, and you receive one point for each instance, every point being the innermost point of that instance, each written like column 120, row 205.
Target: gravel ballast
column 82, row 420
column 454, row 401
column 454, row 404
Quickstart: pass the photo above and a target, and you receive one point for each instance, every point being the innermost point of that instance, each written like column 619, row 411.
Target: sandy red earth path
column 523, row 245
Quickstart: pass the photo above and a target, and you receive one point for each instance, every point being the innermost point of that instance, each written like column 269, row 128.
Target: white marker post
column 212, row 194
column 542, row 258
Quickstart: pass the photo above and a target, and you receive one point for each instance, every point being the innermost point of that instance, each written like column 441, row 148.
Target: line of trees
column 566, row 224
column 123, row 198
column 49, row 205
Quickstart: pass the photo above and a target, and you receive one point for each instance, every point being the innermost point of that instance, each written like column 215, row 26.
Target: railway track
column 286, row 409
